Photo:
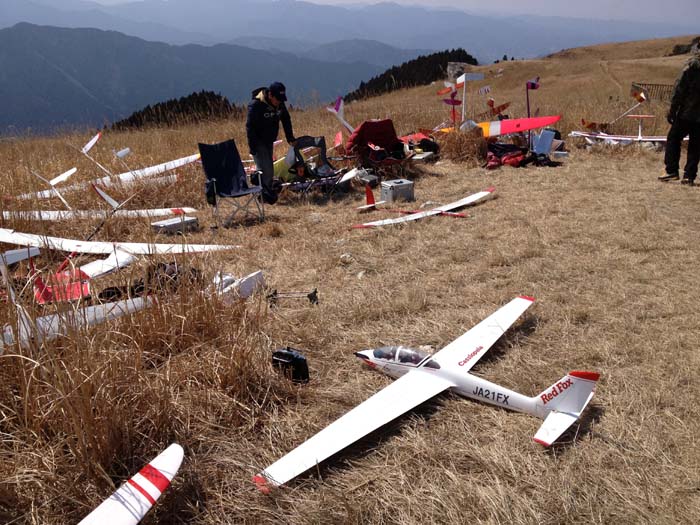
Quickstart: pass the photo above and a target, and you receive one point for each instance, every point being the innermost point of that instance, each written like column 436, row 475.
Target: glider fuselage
column 466, row 385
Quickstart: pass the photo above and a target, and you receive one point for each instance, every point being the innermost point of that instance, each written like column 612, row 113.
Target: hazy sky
column 684, row 12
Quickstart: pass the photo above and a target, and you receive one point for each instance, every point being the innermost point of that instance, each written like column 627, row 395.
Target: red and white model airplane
column 422, row 376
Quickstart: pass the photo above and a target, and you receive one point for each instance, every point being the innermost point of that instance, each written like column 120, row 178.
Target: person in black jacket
column 684, row 117
column 265, row 112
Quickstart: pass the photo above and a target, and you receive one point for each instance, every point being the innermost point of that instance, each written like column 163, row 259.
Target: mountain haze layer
column 55, row 76
column 214, row 21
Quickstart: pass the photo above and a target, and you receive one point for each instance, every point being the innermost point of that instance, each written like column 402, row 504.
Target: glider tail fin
column 369, row 194
column 338, row 109
column 563, row 403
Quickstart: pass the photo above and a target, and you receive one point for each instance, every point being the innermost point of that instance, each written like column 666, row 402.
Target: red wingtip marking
column 360, row 226
column 262, row 483
column 178, row 211
column 491, row 189
column 143, row 492
column 590, row 376
column 543, row 443
column 528, row 298
column 155, row 476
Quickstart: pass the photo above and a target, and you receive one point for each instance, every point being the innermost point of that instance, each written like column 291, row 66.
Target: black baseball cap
column 278, row 90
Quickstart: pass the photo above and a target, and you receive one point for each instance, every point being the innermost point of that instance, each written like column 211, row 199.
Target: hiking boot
column 668, row 177
column 688, row 182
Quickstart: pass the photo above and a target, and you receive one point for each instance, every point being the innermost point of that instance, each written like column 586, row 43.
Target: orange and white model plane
column 422, row 376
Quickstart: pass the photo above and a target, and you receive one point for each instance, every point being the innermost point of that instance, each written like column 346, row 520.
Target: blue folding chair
column 226, row 180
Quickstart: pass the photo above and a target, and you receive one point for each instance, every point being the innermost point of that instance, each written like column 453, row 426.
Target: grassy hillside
column 608, row 252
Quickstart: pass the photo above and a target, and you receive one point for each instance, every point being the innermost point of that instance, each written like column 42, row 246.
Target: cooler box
column 176, row 225
column 395, row 190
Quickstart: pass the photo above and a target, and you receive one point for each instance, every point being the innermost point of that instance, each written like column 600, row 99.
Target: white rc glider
column 422, row 376
column 440, row 210
column 372, row 205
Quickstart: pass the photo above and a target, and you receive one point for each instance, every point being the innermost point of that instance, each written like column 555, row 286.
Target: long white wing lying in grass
column 50, row 327
column 67, row 215
column 467, row 201
column 386, row 405
column 130, row 503
column 464, row 352
column 134, row 248
column 122, row 178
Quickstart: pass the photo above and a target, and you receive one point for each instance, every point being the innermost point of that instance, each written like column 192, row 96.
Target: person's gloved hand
column 671, row 117
column 292, row 142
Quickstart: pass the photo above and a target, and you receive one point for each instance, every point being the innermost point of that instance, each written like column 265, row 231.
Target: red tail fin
column 370, row 195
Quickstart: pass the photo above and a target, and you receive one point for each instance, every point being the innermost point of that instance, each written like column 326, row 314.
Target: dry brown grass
column 608, row 251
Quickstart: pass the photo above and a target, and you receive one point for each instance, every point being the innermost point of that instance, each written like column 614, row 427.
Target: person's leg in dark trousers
column 263, row 162
column 691, row 165
column 674, row 140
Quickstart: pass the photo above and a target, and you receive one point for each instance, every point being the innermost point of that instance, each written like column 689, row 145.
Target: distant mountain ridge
column 411, row 27
column 344, row 51
column 51, row 77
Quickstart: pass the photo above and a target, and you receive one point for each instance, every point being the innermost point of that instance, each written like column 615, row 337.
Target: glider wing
column 134, row 248
column 130, row 503
column 472, row 199
column 464, row 352
column 386, row 405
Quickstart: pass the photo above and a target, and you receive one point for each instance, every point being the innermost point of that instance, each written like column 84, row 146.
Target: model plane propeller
column 422, row 376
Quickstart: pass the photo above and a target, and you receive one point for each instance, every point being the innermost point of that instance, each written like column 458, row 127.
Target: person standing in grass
column 684, row 117
column 265, row 112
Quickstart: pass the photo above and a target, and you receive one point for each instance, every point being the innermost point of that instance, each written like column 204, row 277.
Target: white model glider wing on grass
column 130, row 503
column 465, row 351
column 467, row 201
column 118, row 211
column 386, row 405
column 123, row 178
column 107, row 248
column 69, row 215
